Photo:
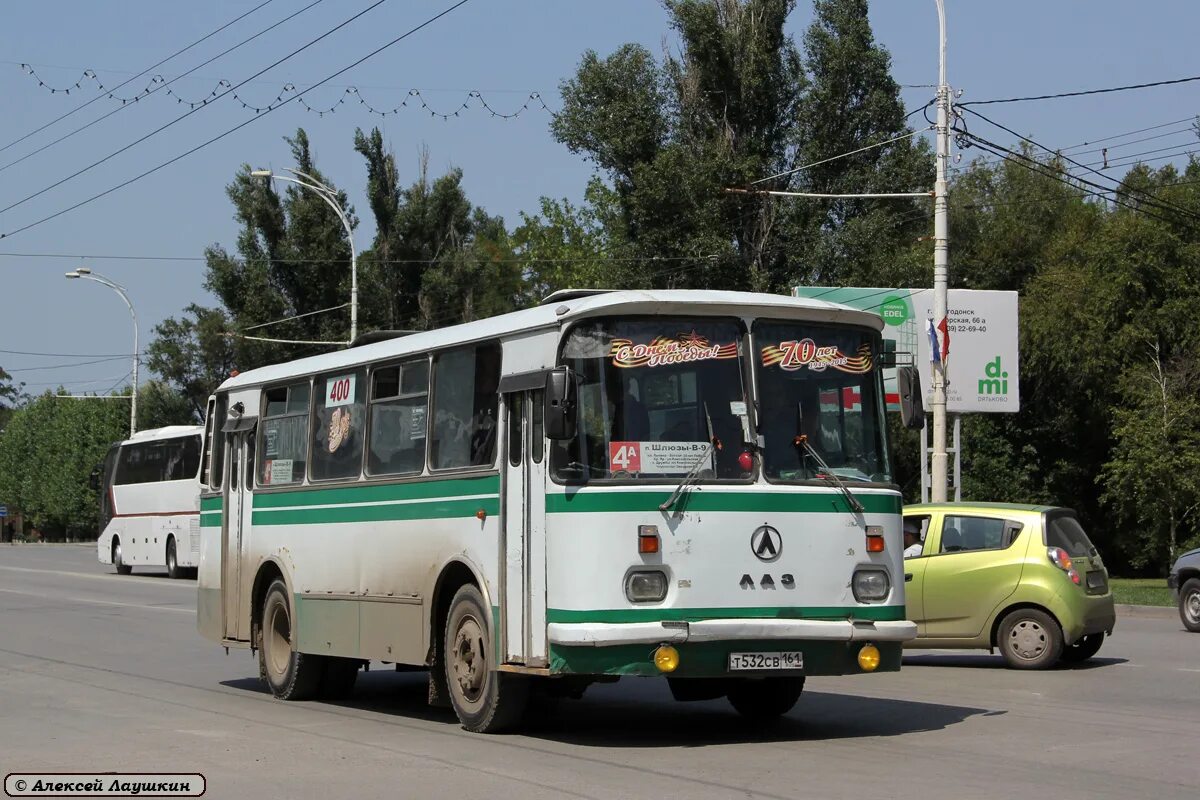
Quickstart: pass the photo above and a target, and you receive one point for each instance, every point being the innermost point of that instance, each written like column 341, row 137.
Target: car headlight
column 871, row 585
column 646, row 586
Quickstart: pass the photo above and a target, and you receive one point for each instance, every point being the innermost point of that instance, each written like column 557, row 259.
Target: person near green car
column 1024, row 580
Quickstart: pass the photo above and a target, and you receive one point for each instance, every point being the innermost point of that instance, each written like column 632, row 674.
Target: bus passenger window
column 283, row 449
column 399, row 401
column 339, row 417
column 465, row 407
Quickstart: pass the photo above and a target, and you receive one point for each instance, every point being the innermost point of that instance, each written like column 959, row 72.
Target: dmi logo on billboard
column 993, row 387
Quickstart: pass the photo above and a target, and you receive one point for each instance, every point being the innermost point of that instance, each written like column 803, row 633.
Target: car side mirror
column 560, row 404
column 912, row 399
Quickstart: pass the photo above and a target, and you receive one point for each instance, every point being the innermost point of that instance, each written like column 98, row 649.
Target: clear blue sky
column 503, row 48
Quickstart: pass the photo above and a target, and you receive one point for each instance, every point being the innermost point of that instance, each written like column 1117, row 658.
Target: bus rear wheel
column 765, row 699
column 173, row 570
column 485, row 700
column 118, row 563
column 290, row 675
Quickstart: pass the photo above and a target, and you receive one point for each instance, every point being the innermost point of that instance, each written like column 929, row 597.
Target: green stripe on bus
column 210, row 519
column 784, row 502
column 436, row 509
column 619, row 615
column 210, row 503
column 377, row 492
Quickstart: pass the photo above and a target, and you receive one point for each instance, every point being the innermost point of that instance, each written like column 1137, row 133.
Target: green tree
column 47, row 453
column 10, row 396
column 161, row 404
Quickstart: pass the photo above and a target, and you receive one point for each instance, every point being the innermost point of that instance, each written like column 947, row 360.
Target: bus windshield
column 819, row 385
column 658, row 397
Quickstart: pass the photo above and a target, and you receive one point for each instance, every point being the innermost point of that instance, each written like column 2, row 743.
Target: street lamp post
column 330, row 197
column 87, row 274
column 941, row 266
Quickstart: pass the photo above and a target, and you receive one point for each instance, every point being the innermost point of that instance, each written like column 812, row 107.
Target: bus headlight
column 870, row 585
column 646, row 586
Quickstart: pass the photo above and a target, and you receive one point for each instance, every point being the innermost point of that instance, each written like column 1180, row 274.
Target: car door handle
column 908, row 577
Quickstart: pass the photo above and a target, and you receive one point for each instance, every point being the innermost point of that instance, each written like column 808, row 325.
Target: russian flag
column 935, row 349
column 945, row 329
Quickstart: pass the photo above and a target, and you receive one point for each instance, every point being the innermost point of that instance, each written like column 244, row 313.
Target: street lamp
column 87, row 274
column 330, row 197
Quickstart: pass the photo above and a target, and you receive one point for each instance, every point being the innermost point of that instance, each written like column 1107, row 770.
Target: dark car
column 1184, row 581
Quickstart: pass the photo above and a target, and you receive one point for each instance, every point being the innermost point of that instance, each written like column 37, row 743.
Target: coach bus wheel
column 765, row 699
column 173, row 570
column 486, row 701
column 118, row 563
column 289, row 674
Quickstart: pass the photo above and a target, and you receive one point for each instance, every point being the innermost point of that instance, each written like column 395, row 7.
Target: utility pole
column 941, row 260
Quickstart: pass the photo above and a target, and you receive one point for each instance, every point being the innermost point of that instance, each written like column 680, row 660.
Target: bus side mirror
column 94, row 479
column 912, row 399
column 561, row 402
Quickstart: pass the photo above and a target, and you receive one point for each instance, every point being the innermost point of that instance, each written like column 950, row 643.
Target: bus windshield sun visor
column 239, row 424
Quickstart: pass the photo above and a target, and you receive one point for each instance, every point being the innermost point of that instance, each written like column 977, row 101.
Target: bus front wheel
column 485, row 700
column 118, row 563
column 765, row 699
column 290, row 675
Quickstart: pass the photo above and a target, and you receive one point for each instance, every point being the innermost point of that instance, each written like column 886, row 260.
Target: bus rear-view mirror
column 912, row 399
column 561, row 402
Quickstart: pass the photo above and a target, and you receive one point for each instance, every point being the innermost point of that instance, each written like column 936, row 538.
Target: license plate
column 766, row 662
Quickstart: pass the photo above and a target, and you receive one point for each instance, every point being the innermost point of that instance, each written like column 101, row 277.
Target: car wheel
column 1084, row 649
column 1189, row 604
column 1030, row 639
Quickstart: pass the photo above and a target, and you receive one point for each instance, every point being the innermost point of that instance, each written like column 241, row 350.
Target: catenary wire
column 138, row 75
column 162, row 86
column 187, row 114
column 1081, row 93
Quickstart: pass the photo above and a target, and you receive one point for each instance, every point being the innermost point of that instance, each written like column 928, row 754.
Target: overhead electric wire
column 1160, row 204
column 238, row 127
column 67, row 355
column 1132, row 133
column 140, row 74
column 188, row 113
column 159, row 88
column 67, row 366
column 871, row 146
column 1080, row 93
column 1189, row 129
column 1132, row 158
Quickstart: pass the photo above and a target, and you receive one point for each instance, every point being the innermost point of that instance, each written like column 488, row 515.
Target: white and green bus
column 686, row 484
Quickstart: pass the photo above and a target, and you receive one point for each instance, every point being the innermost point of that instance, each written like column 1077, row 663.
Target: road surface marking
column 139, row 579
column 44, row 596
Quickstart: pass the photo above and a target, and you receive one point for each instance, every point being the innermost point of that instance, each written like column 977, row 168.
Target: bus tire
column 173, row 570
column 290, row 675
column 339, row 677
column 765, row 700
column 118, row 563
column 485, row 700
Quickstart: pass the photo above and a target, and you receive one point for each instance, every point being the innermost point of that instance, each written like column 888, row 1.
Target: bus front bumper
column 605, row 634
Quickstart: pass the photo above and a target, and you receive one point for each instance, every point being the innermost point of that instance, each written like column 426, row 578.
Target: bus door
column 239, row 482
column 523, row 523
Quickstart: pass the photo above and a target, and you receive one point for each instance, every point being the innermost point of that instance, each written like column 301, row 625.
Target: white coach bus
column 688, row 484
column 150, row 501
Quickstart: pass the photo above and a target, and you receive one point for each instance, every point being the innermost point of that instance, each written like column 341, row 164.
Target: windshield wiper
column 693, row 474
column 856, row 507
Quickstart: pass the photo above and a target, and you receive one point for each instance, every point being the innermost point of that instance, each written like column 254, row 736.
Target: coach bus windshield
column 658, row 396
column 820, row 389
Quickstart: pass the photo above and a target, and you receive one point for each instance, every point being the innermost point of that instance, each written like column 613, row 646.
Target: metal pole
column 119, row 289
column 941, row 251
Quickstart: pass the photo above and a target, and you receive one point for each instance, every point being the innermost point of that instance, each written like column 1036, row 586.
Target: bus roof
column 168, row 432
column 573, row 307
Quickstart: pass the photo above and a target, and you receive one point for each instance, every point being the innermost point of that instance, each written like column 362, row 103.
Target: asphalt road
column 102, row 672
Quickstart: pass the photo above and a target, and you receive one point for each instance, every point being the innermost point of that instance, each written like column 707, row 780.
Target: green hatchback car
column 1025, row 580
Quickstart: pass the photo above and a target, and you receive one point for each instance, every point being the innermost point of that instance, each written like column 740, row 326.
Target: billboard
column 982, row 369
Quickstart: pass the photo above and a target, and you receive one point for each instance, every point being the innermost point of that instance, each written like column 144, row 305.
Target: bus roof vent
column 571, row 294
column 371, row 337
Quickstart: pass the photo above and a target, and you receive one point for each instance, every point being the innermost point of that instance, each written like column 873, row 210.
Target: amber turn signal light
column 648, row 541
column 875, row 539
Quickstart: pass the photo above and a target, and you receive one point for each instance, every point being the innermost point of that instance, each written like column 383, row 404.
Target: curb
column 1150, row 612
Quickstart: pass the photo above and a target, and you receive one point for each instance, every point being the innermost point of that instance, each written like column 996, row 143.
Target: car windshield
column 820, row 390
column 654, row 396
